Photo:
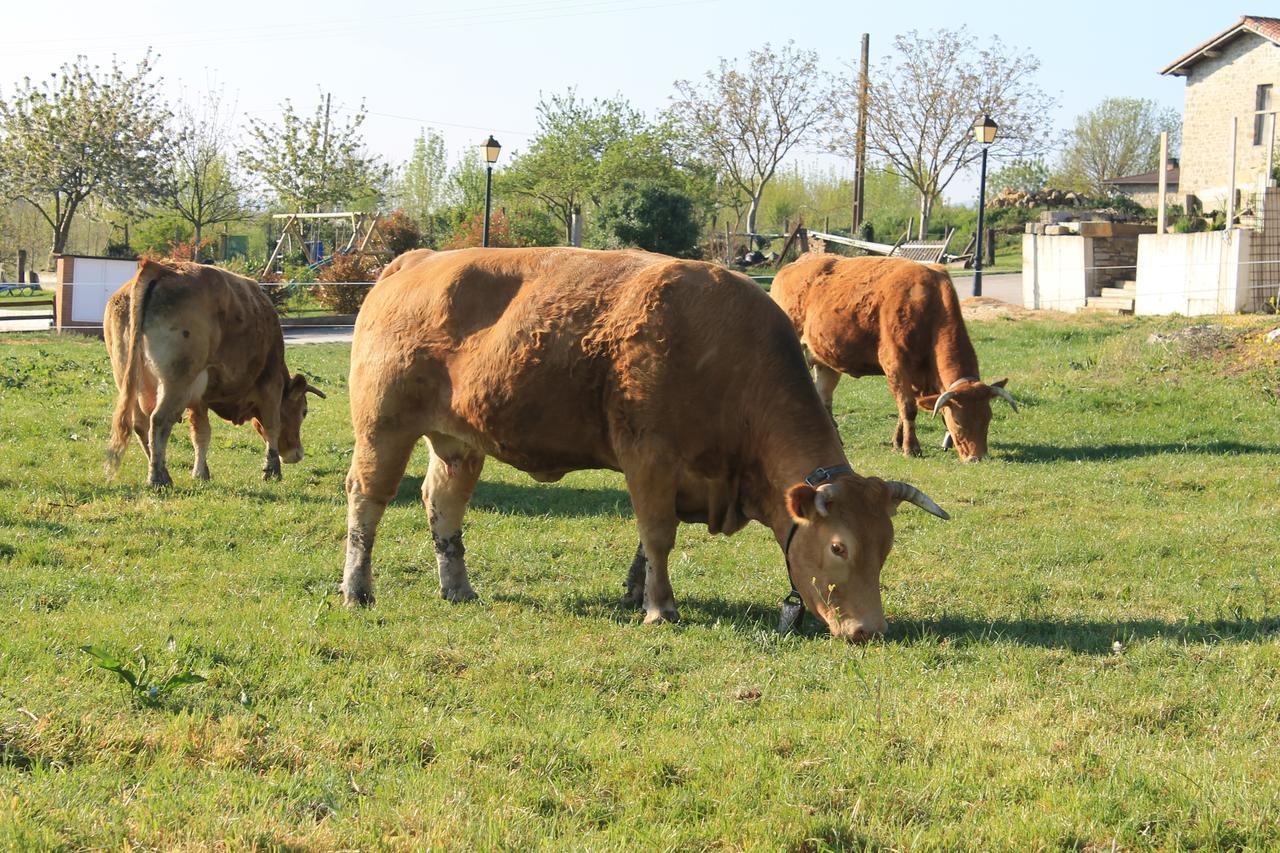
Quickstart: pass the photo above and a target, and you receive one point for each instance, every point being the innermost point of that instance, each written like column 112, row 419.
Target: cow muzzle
column 292, row 457
column 858, row 632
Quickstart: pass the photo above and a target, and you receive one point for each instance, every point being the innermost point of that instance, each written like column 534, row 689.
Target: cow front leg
column 377, row 464
column 634, row 584
column 199, row 420
column 451, row 480
column 905, row 437
column 653, row 497
column 826, row 379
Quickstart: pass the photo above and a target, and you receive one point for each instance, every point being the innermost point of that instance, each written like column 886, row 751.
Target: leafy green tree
column 654, row 217
column 422, row 187
column 84, row 134
column 583, row 149
column 1026, row 175
column 315, row 163
column 751, row 118
column 203, row 188
column 923, row 100
column 1120, row 136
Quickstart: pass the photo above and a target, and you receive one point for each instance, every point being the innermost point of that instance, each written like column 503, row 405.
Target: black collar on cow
column 793, row 604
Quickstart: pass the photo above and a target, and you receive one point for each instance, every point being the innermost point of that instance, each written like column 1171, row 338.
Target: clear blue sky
column 468, row 69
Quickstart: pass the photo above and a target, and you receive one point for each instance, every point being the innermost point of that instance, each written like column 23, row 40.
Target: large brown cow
column 191, row 337
column 679, row 374
column 900, row 319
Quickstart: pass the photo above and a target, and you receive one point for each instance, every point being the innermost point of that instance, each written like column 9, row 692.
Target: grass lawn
column 1087, row 655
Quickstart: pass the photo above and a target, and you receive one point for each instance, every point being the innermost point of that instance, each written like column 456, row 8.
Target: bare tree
column 750, row 119
column 923, row 100
column 203, row 189
column 83, row 134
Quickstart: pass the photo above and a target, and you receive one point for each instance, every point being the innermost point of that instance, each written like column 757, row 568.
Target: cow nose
column 293, row 456
column 860, row 633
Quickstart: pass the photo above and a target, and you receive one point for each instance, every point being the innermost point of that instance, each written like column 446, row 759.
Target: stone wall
column 1217, row 90
column 1115, row 261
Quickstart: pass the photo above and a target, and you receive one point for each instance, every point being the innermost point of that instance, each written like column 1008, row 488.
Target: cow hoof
column 657, row 617
column 357, row 598
column 200, row 474
column 159, row 482
column 913, row 452
column 459, row 595
column 268, row 475
column 634, row 596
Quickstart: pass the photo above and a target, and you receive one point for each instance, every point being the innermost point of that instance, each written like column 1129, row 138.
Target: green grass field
column 1086, row 656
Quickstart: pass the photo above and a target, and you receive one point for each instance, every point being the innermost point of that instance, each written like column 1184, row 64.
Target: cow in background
column 190, row 337
column 900, row 319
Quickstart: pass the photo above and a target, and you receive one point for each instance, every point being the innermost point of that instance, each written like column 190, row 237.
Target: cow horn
column 942, row 401
column 314, row 390
column 1003, row 394
column 901, row 491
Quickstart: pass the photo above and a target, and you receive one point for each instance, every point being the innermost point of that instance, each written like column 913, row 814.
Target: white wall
column 1055, row 271
column 1193, row 274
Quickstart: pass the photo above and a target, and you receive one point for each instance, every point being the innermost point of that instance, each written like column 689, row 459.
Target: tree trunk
column 62, row 231
column 926, row 212
column 751, row 214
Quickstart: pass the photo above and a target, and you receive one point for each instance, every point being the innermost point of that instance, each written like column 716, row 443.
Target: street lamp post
column 491, row 150
column 984, row 130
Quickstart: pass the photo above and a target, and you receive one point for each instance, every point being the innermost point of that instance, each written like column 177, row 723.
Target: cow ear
column 297, row 386
column 926, row 404
column 999, row 384
column 802, row 503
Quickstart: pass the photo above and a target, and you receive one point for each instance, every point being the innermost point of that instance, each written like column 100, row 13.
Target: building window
column 1262, row 104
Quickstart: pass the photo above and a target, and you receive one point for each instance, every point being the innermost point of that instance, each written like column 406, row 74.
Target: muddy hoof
column 357, row 598
column 658, row 617
column 458, row 596
column 633, row 597
column 160, row 481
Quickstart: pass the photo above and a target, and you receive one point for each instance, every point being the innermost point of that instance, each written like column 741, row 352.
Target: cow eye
column 839, row 550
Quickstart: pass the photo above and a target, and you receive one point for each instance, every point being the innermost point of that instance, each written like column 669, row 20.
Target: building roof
column 1268, row 28
column 1153, row 177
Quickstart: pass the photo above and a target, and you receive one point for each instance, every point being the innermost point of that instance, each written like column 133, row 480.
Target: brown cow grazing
column 186, row 336
column 679, row 374
column 413, row 257
column 900, row 319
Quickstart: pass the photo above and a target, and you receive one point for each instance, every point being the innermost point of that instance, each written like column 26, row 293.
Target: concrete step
column 1130, row 285
column 1109, row 304
column 1117, row 293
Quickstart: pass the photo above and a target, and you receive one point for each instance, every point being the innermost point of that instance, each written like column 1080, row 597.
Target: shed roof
column 1153, row 177
column 1268, row 28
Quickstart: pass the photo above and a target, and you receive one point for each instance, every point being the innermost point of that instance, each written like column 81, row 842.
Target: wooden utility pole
column 1162, row 182
column 860, row 149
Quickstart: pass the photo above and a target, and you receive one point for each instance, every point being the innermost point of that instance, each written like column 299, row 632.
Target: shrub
column 650, row 216
column 336, row 294
column 400, row 232
column 471, row 232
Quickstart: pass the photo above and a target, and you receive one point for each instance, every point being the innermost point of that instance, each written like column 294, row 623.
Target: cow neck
column 953, row 353
column 799, row 456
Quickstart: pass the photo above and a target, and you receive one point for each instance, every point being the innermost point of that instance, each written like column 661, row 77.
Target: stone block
column 1097, row 229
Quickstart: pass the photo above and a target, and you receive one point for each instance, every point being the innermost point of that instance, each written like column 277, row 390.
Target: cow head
column 843, row 534
column 966, row 407
column 293, row 408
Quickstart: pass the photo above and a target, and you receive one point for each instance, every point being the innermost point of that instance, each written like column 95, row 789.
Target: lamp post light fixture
column 984, row 130
column 491, row 151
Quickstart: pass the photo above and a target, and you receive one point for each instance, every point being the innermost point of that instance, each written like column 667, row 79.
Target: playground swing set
column 306, row 232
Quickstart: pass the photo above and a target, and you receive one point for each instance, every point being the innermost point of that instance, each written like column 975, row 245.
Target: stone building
column 1234, row 75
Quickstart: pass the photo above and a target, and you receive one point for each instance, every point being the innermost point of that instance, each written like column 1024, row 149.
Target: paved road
column 1007, row 287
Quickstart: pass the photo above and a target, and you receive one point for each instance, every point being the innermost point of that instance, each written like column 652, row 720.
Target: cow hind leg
column 377, row 464
column 168, row 410
column 826, row 379
column 199, row 418
column 634, row 584
column 451, row 480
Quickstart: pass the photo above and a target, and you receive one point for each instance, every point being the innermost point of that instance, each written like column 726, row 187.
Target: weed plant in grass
column 1086, row 655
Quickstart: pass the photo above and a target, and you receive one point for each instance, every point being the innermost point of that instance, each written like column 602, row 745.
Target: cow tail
column 126, row 399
